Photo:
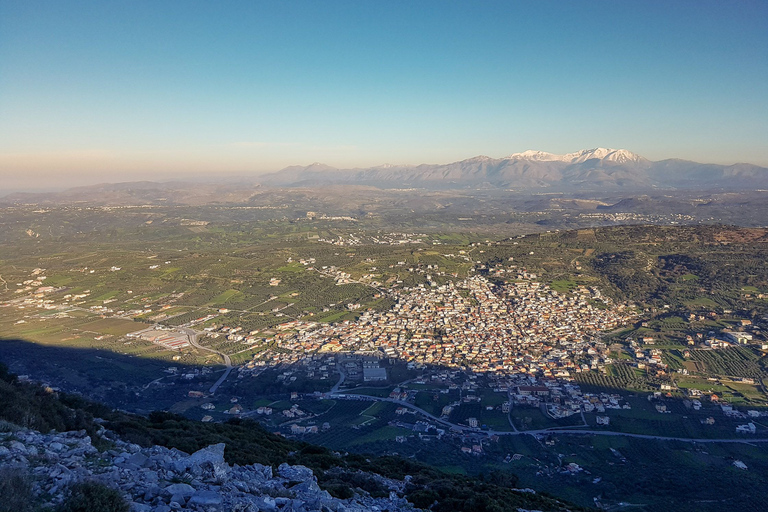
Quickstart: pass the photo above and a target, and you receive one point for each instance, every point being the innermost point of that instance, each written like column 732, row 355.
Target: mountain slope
column 589, row 169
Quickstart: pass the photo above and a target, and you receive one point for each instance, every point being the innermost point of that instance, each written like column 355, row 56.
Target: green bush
column 15, row 490
column 93, row 497
column 6, row 375
column 339, row 490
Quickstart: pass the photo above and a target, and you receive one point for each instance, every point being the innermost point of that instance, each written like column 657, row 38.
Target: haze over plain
column 94, row 92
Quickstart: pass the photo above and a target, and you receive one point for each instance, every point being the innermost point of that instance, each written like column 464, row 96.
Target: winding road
column 342, row 376
column 555, row 431
column 192, row 336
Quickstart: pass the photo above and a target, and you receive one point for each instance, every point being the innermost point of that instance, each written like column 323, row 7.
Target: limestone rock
column 295, row 473
column 184, row 490
column 205, row 498
column 150, row 478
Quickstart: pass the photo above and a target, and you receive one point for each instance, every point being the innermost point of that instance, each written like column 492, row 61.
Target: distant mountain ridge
column 588, row 169
column 611, row 155
column 594, row 171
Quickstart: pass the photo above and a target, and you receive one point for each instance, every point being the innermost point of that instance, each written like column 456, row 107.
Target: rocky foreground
column 159, row 479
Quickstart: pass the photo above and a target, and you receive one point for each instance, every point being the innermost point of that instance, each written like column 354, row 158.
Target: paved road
column 410, row 406
column 556, row 431
column 342, row 376
column 509, row 414
column 638, row 436
column 192, row 335
column 333, row 276
column 154, row 382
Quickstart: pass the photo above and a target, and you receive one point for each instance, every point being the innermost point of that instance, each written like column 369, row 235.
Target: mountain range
column 590, row 172
column 590, row 169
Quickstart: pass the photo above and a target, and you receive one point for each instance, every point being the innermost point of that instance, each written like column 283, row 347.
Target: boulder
column 295, row 473
column 152, row 492
column 184, row 490
column 205, row 499
column 281, row 501
column 149, row 476
column 266, row 471
column 307, row 486
column 18, row 447
column 139, row 459
column 267, row 504
column 213, row 454
column 207, row 464
column 56, row 446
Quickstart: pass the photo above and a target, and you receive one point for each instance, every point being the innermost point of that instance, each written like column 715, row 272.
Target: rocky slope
column 159, row 479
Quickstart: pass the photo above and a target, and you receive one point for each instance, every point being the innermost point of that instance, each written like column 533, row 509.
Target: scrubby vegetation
column 40, row 408
column 15, row 490
column 92, row 497
column 247, row 442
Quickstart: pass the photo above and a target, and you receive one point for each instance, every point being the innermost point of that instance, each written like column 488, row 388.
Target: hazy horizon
column 59, row 182
column 108, row 92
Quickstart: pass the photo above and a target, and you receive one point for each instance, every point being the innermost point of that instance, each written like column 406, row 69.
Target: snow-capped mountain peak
column 541, row 156
column 611, row 155
column 622, row 156
column 587, row 154
column 478, row 158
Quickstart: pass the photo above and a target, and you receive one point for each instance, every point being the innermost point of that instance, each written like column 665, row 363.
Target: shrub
column 339, row 490
column 15, row 490
column 93, row 497
column 7, row 426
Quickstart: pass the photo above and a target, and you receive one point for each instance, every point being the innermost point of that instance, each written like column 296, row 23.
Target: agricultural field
column 645, row 473
column 245, row 281
column 258, row 273
column 736, row 361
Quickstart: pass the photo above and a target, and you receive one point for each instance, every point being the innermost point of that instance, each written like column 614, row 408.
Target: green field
column 682, row 281
column 563, row 285
column 225, row 297
column 291, row 267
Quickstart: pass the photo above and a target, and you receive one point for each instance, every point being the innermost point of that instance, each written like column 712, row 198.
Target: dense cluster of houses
column 520, row 327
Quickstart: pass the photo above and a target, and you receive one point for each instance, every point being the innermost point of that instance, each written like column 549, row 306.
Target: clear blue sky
column 120, row 90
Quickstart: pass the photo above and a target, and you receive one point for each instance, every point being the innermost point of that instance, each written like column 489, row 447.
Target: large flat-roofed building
column 169, row 339
column 742, row 338
column 533, row 390
column 373, row 374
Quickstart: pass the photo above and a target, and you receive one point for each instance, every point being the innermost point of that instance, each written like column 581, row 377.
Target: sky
column 95, row 91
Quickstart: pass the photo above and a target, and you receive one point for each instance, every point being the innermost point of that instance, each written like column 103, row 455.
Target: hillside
column 235, row 466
